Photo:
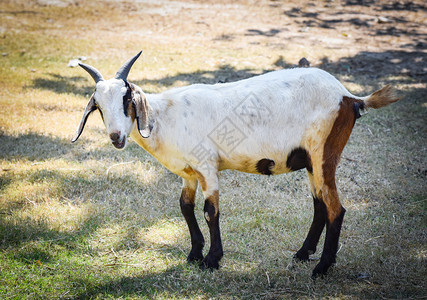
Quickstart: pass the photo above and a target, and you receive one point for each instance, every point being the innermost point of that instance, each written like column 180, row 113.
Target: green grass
column 86, row 221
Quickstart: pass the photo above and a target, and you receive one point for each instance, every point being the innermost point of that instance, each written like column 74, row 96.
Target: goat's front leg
column 210, row 191
column 187, row 203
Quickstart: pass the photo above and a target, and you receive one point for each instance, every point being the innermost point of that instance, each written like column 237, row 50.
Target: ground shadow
column 37, row 148
column 62, row 84
column 366, row 63
column 225, row 73
column 384, row 64
column 184, row 280
column 375, row 65
column 269, row 33
column 75, row 189
column 348, row 14
column 401, row 6
column 32, row 147
column 17, row 234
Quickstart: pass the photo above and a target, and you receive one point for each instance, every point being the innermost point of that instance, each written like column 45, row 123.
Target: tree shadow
column 32, row 147
column 21, row 233
column 35, row 147
column 269, row 33
column 402, row 6
column 314, row 19
column 335, row 20
column 360, row 2
column 184, row 280
column 225, row 37
column 225, row 73
column 75, row 188
column 390, row 63
column 62, row 84
column 172, row 281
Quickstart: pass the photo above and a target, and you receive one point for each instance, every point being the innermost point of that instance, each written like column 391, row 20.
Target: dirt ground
column 374, row 38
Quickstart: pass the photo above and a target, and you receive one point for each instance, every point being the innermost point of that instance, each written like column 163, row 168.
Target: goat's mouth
column 120, row 144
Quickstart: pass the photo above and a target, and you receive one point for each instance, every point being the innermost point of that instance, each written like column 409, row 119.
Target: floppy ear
column 141, row 113
column 91, row 106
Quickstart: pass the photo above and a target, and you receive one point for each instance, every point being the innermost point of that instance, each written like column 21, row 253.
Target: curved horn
column 92, row 72
column 123, row 72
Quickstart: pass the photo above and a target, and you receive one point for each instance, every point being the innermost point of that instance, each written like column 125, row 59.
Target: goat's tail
column 382, row 97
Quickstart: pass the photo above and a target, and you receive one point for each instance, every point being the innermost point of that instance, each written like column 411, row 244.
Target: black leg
column 316, row 228
column 212, row 259
column 331, row 245
column 197, row 240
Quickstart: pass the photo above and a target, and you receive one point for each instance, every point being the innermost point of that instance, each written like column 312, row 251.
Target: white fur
column 109, row 97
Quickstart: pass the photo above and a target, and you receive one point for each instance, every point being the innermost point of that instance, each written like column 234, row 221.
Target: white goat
column 269, row 124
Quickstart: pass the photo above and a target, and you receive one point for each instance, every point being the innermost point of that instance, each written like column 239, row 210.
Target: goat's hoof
column 209, row 263
column 302, row 255
column 320, row 270
column 195, row 257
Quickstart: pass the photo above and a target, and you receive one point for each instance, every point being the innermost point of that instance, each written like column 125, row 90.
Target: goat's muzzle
column 118, row 142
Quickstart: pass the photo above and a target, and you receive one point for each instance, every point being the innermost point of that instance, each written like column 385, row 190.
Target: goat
column 269, row 124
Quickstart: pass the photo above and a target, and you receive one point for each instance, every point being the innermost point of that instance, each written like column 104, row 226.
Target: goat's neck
column 157, row 108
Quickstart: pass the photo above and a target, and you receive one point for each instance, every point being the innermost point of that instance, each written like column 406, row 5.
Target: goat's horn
column 123, row 72
column 92, row 72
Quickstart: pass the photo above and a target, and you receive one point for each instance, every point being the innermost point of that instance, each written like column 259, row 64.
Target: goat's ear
column 141, row 112
column 91, row 106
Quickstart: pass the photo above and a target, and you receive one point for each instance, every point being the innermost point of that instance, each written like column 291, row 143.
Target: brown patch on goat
column 313, row 143
column 214, row 201
column 201, row 179
column 151, row 145
column 333, row 148
column 131, row 110
column 241, row 163
column 189, row 171
column 299, row 159
column 188, row 195
column 265, row 166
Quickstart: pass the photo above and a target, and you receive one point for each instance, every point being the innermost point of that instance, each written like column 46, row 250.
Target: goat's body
column 284, row 110
column 268, row 124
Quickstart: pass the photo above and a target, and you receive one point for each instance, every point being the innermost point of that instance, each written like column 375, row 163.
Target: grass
column 85, row 221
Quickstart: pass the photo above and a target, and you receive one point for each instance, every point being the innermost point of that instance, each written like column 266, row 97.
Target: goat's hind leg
column 316, row 228
column 325, row 180
column 334, row 220
column 187, row 203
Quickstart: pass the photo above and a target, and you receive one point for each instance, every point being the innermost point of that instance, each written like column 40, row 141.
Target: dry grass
column 86, row 221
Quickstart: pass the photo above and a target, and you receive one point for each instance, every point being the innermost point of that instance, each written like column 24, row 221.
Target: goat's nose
column 115, row 136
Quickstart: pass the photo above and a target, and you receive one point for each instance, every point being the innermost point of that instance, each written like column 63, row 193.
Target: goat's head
column 120, row 103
